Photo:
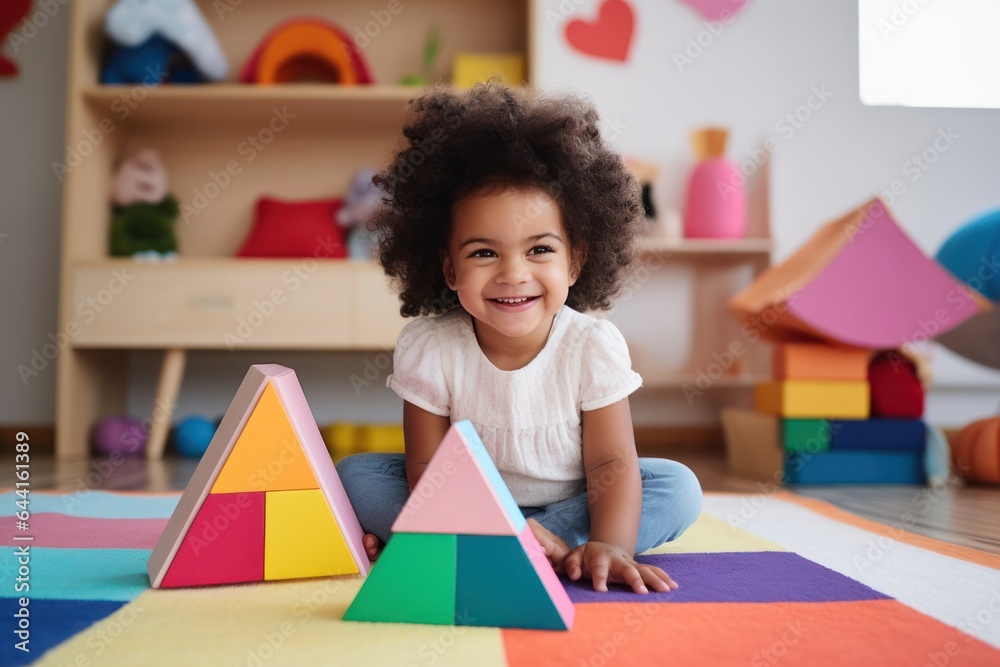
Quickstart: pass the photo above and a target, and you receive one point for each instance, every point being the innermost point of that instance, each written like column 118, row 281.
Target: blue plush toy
column 161, row 40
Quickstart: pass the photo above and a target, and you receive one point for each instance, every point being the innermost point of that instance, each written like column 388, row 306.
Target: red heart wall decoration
column 609, row 36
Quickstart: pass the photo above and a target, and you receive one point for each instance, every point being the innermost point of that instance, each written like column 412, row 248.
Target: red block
column 224, row 545
column 895, row 387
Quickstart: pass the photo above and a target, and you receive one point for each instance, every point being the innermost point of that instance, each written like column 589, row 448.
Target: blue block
column 881, row 434
column 855, row 467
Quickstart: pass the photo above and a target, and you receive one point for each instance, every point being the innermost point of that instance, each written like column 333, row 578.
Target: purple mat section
column 759, row 576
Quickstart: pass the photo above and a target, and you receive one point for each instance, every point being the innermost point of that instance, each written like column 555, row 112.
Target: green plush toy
column 143, row 227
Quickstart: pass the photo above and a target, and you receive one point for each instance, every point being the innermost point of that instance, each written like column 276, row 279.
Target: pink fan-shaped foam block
column 859, row 281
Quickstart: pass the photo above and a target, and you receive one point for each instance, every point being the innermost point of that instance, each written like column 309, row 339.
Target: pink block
column 224, row 544
column 301, row 417
column 72, row 532
column 558, row 595
column 454, row 496
column 881, row 291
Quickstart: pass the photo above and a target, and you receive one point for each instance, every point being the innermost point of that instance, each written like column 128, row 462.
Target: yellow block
column 468, row 69
column 267, row 456
column 809, row 399
column 384, row 438
column 302, row 538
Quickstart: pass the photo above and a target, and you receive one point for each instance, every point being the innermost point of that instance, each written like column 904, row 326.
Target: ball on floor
column 192, row 436
column 119, row 435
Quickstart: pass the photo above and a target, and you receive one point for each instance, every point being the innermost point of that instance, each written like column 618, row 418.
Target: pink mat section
column 68, row 532
column 881, row 291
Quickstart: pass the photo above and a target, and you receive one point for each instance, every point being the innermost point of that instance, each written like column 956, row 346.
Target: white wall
column 32, row 113
column 761, row 67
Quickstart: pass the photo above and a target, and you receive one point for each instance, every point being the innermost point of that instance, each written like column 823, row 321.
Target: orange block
column 268, row 455
column 818, row 361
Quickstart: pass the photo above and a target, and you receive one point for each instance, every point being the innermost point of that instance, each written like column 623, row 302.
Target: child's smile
column 510, row 261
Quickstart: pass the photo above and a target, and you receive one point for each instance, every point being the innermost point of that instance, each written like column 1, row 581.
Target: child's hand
column 553, row 545
column 604, row 562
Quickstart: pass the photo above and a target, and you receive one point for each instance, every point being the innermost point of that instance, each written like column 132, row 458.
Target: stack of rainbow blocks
column 834, row 415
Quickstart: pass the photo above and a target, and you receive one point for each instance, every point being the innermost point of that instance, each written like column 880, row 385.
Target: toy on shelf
column 973, row 254
column 295, row 229
column 646, row 173
column 461, row 552
column 193, row 435
column 119, row 435
column 143, row 213
column 161, row 40
column 715, row 205
column 267, row 478
column 344, row 439
column 306, row 50
column 976, row 451
column 432, row 47
column 859, row 281
column 468, row 69
column 360, row 205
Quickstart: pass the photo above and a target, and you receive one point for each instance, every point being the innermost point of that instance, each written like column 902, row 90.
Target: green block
column 499, row 587
column 806, row 435
column 413, row 581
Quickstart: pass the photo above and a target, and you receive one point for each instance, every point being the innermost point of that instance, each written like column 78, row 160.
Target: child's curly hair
column 493, row 136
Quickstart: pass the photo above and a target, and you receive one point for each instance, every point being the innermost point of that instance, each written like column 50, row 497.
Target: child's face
column 510, row 244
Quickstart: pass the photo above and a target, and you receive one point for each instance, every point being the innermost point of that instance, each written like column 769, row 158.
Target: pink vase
column 716, row 205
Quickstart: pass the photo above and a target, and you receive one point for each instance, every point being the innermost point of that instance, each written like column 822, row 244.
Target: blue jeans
column 671, row 500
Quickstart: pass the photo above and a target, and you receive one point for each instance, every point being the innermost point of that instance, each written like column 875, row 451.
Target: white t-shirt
column 529, row 419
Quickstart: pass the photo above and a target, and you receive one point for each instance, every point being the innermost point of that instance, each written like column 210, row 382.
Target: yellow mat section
column 710, row 534
column 274, row 624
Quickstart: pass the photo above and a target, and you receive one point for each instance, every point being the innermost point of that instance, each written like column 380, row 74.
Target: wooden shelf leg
column 171, row 376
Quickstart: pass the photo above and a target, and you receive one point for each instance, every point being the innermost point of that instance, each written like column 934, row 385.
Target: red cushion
column 896, row 388
column 295, row 229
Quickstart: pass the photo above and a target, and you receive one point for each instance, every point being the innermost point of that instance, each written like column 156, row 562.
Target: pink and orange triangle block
column 461, row 552
column 265, row 502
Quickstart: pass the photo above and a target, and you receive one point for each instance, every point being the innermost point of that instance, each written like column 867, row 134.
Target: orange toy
column 819, row 361
column 975, row 451
column 306, row 50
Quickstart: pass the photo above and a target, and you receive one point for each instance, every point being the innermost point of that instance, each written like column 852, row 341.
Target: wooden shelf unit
column 203, row 132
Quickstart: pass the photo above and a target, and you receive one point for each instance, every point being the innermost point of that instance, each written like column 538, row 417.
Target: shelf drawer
column 215, row 305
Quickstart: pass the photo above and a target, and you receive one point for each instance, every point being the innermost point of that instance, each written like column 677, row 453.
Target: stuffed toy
column 149, row 32
column 360, row 204
column 143, row 213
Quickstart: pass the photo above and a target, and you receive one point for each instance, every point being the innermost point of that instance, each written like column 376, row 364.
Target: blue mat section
column 52, row 622
column 855, row 467
column 882, row 434
column 95, row 504
column 78, row 574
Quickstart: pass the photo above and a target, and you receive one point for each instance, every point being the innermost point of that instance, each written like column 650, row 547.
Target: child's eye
column 541, row 249
column 482, row 252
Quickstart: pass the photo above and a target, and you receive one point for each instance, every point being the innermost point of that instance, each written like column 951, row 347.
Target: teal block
column 413, row 581
column 848, row 466
column 77, row 574
column 498, row 586
column 492, row 474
